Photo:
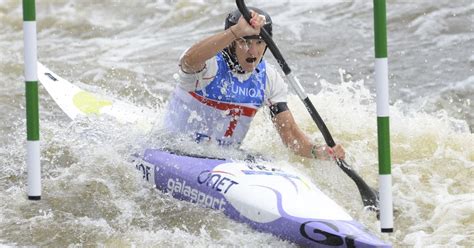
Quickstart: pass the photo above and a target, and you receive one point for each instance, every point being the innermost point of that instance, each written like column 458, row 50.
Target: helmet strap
column 266, row 47
column 231, row 58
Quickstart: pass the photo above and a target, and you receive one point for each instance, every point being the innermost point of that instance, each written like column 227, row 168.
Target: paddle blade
column 370, row 197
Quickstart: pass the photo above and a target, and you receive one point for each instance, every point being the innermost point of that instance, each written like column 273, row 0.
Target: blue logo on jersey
column 227, row 88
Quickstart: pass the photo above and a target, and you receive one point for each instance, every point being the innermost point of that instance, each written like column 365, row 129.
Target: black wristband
column 277, row 108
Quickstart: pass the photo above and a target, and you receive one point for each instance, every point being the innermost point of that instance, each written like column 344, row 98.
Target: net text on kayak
column 214, row 181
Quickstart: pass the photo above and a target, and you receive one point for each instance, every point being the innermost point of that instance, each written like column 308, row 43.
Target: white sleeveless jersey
column 220, row 106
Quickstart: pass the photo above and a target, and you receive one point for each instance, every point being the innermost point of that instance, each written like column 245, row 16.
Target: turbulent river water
column 129, row 50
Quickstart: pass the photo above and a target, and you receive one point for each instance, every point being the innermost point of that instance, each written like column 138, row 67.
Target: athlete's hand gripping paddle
column 369, row 196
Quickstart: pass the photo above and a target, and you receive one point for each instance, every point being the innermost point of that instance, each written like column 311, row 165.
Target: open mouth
column 251, row 60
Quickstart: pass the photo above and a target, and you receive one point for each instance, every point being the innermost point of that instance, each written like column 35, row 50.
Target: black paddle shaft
column 287, row 70
column 369, row 196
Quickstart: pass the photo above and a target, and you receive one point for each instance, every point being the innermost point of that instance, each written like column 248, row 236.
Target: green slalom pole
column 32, row 112
column 383, row 122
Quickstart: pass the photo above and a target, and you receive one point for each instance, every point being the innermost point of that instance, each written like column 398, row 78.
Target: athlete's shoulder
column 198, row 80
column 271, row 69
column 273, row 73
column 276, row 88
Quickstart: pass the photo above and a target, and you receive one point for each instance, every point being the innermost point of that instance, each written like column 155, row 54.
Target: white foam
column 129, row 50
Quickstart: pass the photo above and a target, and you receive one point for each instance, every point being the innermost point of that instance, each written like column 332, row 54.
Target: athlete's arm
column 291, row 134
column 296, row 140
column 196, row 56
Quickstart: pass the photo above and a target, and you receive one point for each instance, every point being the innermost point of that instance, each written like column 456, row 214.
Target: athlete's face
column 249, row 52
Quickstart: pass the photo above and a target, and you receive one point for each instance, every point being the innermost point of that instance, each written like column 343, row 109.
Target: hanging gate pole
column 383, row 127
column 32, row 112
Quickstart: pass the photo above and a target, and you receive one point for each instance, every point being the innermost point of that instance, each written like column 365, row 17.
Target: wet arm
column 299, row 143
column 291, row 134
column 196, row 56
